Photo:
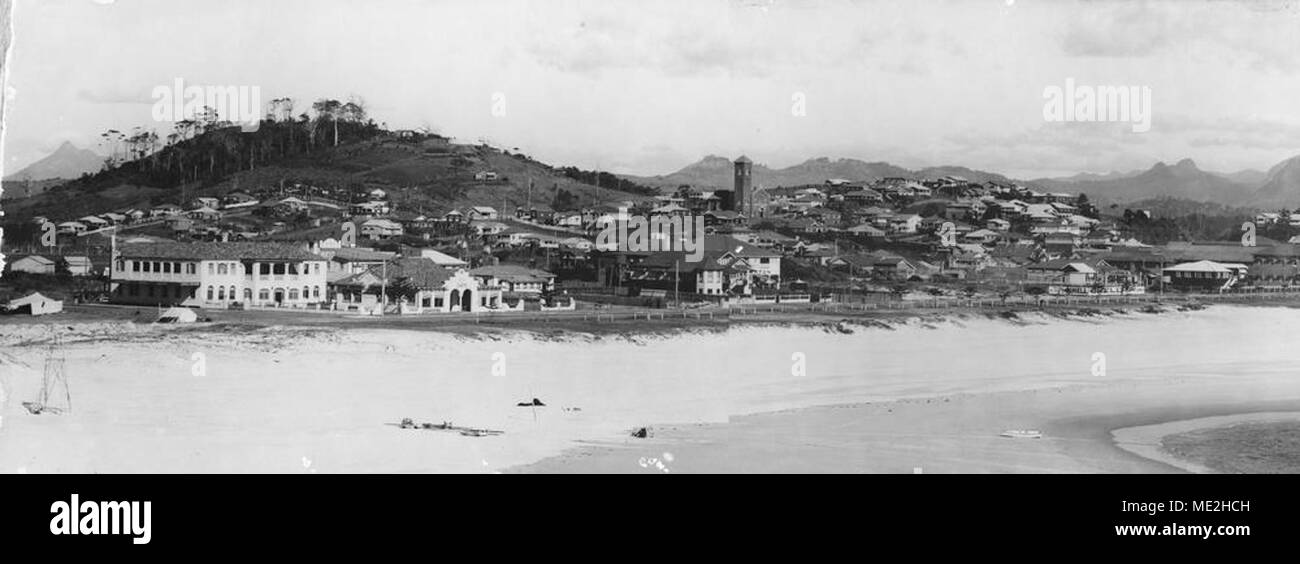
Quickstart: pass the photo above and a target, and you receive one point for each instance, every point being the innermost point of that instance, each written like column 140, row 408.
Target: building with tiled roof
column 218, row 275
column 515, row 278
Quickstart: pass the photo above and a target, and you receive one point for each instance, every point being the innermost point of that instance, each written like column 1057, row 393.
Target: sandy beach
column 917, row 394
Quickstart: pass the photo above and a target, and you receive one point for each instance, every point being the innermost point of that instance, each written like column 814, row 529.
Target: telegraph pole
column 677, row 279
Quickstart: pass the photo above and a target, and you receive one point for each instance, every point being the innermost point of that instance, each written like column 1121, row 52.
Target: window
column 212, row 269
column 209, row 289
column 248, row 294
column 263, row 294
column 306, row 292
column 167, row 268
column 135, row 266
column 191, row 268
column 221, row 292
column 293, row 294
column 315, row 292
column 176, row 267
column 221, row 268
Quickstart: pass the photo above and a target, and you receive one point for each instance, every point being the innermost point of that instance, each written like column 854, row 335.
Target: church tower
column 743, row 183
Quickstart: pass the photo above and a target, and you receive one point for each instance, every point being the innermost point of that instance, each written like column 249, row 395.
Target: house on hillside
column 163, row 210
column 71, row 228
column 206, row 202
column 369, row 208
column 32, row 264
column 79, row 265
column 237, row 200
column 477, row 213
column 379, row 228
column 204, row 213
column 93, row 222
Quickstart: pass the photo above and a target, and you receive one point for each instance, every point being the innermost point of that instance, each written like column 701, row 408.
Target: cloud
column 114, row 97
column 1251, row 132
column 1255, row 35
column 754, row 39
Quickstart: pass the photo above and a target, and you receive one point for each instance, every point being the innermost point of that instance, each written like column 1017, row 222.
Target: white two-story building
column 217, row 275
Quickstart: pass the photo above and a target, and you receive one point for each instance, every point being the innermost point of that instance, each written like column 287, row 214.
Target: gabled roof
column 217, row 251
column 34, row 258
column 1206, row 266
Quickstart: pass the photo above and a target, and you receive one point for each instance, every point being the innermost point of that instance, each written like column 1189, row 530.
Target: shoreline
column 621, row 382
column 114, row 321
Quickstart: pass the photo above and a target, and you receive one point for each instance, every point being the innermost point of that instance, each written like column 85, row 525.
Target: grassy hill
column 430, row 175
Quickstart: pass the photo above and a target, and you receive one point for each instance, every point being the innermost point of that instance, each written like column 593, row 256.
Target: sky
column 645, row 88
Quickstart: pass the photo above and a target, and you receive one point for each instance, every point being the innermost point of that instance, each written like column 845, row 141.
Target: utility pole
column 677, row 279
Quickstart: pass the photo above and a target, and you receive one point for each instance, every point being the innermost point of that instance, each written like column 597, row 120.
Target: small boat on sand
column 479, row 432
column 1023, row 434
column 408, row 423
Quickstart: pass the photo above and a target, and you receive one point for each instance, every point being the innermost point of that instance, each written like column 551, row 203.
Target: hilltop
column 421, row 173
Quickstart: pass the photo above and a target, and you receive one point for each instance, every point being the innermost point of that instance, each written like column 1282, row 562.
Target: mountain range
column 1280, row 186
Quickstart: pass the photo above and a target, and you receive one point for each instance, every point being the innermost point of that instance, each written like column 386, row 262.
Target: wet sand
column 321, row 400
column 1259, row 442
column 955, row 434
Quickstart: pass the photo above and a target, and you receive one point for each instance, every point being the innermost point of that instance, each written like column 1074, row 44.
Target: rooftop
column 217, row 251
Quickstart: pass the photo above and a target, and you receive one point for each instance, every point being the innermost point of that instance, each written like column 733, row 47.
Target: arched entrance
column 466, row 301
column 455, row 300
column 279, row 295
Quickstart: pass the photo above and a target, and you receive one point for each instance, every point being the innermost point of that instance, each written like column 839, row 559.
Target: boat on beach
column 408, row 423
column 1023, row 434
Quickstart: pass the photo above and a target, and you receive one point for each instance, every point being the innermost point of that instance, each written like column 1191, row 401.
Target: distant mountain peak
column 67, row 161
